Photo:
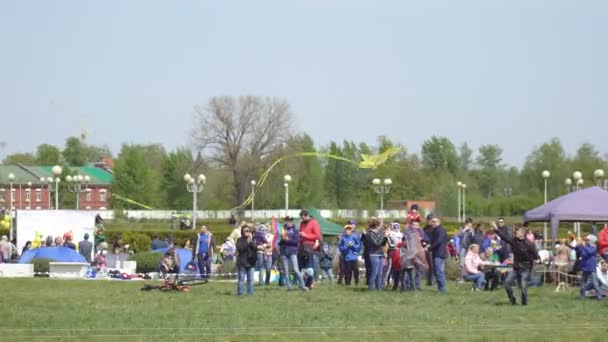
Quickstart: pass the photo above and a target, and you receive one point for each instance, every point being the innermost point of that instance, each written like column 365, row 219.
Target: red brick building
column 29, row 191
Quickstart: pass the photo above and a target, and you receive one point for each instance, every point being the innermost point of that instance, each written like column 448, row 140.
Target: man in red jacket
column 603, row 242
column 310, row 234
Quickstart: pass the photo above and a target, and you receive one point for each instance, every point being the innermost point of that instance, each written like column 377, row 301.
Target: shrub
column 139, row 242
column 146, row 261
column 179, row 237
column 41, row 265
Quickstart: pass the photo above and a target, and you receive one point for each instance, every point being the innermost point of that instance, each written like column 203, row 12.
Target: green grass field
column 45, row 309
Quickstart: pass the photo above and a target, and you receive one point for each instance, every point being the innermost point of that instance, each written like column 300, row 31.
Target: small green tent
column 327, row 227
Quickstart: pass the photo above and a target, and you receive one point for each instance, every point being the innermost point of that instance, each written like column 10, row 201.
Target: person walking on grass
column 288, row 248
column 204, row 248
column 428, row 229
column 438, row 248
column 245, row 260
column 350, row 247
column 587, row 250
column 376, row 240
column 524, row 254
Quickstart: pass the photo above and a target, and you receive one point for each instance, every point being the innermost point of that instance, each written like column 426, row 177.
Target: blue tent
column 61, row 254
column 184, row 256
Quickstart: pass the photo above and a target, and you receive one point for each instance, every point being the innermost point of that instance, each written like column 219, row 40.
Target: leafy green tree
column 175, row 165
column 465, row 157
column 489, row 168
column 133, row 178
column 309, row 188
column 549, row 156
column 587, row 159
column 27, row 159
column 74, row 153
column 439, row 153
column 48, row 155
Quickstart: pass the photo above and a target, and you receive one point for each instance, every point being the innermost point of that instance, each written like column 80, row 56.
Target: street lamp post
column 546, row 174
column 252, row 198
column 286, row 179
column 11, row 179
column 464, row 202
column 459, row 185
column 382, row 188
column 578, row 182
column 598, row 175
column 194, row 185
column 78, row 184
column 56, row 172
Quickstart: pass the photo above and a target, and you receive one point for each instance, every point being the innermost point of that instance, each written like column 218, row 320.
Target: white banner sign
column 36, row 225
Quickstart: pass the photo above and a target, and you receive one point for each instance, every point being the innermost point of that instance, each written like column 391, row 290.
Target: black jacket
column 439, row 243
column 524, row 251
column 246, row 253
column 375, row 240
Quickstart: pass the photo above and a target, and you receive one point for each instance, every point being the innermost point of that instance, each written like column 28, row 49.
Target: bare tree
column 239, row 133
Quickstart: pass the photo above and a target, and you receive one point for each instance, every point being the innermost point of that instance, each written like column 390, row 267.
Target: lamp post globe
column 546, row 174
column 577, row 175
column 11, row 176
column 599, row 173
column 388, row 181
column 187, row 177
column 376, row 181
column 201, row 178
column 68, row 178
column 287, row 178
column 56, row 170
column 568, row 181
column 252, row 183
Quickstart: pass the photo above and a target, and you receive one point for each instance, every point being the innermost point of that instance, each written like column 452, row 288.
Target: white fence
column 257, row 214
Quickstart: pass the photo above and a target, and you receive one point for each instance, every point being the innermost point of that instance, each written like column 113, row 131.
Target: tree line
column 235, row 139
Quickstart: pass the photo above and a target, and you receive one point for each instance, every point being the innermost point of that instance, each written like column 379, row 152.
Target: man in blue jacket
column 204, row 248
column 438, row 249
column 350, row 247
column 588, row 252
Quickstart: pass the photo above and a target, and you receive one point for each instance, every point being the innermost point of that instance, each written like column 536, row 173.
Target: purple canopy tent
column 587, row 205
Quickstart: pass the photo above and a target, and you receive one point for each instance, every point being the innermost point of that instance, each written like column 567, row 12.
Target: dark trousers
column 521, row 276
column 351, row 269
column 341, row 269
column 368, row 268
column 397, row 274
column 430, row 274
column 204, row 265
column 492, row 278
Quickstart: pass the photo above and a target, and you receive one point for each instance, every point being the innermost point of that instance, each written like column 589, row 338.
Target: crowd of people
column 402, row 258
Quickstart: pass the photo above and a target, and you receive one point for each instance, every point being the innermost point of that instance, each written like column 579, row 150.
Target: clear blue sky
column 513, row 73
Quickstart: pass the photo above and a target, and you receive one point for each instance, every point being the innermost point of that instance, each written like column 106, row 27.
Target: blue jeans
column 522, row 279
column 411, row 279
column 439, row 268
column 244, row 272
column 377, row 263
column 329, row 273
column 263, row 265
column 204, row 265
column 590, row 282
column 293, row 260
column 479, row 279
